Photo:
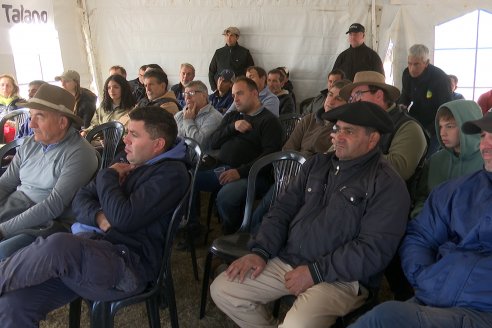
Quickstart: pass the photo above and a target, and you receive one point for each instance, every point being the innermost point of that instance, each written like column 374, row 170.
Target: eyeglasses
column 357, row 95
column 190, row 93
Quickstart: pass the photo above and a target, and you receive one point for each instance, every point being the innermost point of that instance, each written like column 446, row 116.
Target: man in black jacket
column 425, row 88
column 122, row 219
column 244, row 135
column 358, row 57
column 328, row 237
column 231, row 56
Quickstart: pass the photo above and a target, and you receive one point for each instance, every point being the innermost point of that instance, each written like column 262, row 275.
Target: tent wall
column 304, row 35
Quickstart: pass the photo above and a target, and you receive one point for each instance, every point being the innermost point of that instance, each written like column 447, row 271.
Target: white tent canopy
column 303, row 35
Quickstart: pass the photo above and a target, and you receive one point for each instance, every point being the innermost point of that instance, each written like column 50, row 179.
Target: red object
column 8, row 133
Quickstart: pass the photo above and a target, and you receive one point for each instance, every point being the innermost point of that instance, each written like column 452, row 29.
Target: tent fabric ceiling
column 306, row 36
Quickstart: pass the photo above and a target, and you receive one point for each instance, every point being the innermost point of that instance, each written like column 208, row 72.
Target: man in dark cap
column 231, row 56
column 358, row 57
column 446, row 253
column 329, row 235
column 222, row 99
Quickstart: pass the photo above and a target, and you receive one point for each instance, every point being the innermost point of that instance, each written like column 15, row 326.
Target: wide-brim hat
column 232, row 30
column 477, row 126
column 55, row 99
column 370, row 78
column 362, row 113
column 68, row 75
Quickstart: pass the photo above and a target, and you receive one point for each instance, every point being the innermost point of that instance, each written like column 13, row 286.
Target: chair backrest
column 19, row 116
column 195, row 155
column 179, row 212
column 110, row 133
column 6, row 150
column 304, row 104
column 286, row 165
column 289, row 122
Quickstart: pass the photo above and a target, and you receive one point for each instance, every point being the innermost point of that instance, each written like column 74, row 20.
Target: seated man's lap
column 411, row 314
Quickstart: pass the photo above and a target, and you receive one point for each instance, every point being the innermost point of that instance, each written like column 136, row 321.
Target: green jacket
column 445, row 164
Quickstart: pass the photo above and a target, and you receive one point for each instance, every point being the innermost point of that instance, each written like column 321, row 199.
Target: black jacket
column 344, row 219
column 362, row 58
column 86, row 106
column 427, row 92
column 236, row 58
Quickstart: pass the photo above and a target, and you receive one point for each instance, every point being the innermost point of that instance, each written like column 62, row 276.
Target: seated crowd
column 403, row 178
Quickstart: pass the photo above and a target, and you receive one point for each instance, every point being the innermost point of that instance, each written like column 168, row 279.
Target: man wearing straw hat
column 50, row 166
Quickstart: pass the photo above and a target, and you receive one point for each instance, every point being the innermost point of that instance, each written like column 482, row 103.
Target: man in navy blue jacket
column 447, row 253
column 116, row 245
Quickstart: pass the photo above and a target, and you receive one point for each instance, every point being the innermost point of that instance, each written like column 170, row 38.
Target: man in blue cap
column 328, row 237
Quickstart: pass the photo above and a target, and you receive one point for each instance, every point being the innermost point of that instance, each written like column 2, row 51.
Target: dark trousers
column 54, row 271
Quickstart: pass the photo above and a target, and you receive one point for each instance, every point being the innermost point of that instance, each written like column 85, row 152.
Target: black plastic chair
column 8, row 150
column 286, row 165
column 195, row 156
column 111, row 134
column 289, row 122
column 102, row 313
column 19, row 116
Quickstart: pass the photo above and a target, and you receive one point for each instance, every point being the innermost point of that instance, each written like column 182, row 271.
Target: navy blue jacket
column 140, row 209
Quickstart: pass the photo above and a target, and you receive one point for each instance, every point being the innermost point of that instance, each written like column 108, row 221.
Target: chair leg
column 210, row 208
column 74, row 313
column 171, row 301
column 152, row 305
column 191, row 243
column 206, row 279
column 101, row 315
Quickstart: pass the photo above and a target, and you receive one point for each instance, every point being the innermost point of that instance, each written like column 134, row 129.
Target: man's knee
column 385, row 315
column 217, row 288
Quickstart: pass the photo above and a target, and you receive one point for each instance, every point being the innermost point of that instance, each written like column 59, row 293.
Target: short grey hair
column 198, row 85
column 419, row 51
column 188, row 65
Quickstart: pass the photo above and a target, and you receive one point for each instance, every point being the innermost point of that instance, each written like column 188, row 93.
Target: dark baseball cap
column 362, row 113
column 227, row 74
column 477, row 126
column 356, row 27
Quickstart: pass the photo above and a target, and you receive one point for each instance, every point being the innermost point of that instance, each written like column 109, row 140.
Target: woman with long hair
column 117, row 101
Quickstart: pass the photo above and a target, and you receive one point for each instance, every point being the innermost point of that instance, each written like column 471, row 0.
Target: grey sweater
column 39, row 184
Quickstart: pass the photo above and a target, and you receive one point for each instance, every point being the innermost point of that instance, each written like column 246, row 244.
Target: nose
column 126, row 139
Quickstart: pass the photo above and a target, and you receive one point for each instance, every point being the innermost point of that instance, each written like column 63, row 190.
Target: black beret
column 361, row 113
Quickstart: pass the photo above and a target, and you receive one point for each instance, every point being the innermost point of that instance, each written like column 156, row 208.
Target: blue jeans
column 261, row 210
column 206, row 180
column 411, row 314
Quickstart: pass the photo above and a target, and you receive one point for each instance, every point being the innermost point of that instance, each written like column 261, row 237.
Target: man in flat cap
column 231, row 56
column 358, row 57
column 446, row 253
column 37, row 189
column 328, row 237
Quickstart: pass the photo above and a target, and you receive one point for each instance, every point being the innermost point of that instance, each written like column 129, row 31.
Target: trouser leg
column 26, row 307
column 230, row 202
column 9, row 246
column 95, row 269
column 245, row 303
column 411, row 314
column 322, row 304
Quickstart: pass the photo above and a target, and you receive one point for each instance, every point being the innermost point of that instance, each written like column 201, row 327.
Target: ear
column 64, row 122
column 374, row 138
column 159, row 145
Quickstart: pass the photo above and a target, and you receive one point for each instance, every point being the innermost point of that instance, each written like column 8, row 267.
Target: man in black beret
column 328, row 237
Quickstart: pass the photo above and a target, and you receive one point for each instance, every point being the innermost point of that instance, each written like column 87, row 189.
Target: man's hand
column 298, row 280
column 102, row 221
column 190, row 112
column 243, row 265
column 242, row 126
column 123, row 170
column 229, row 176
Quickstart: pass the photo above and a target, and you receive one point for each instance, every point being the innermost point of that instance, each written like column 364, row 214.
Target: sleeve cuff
column 261, row 253
column 315, row 272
